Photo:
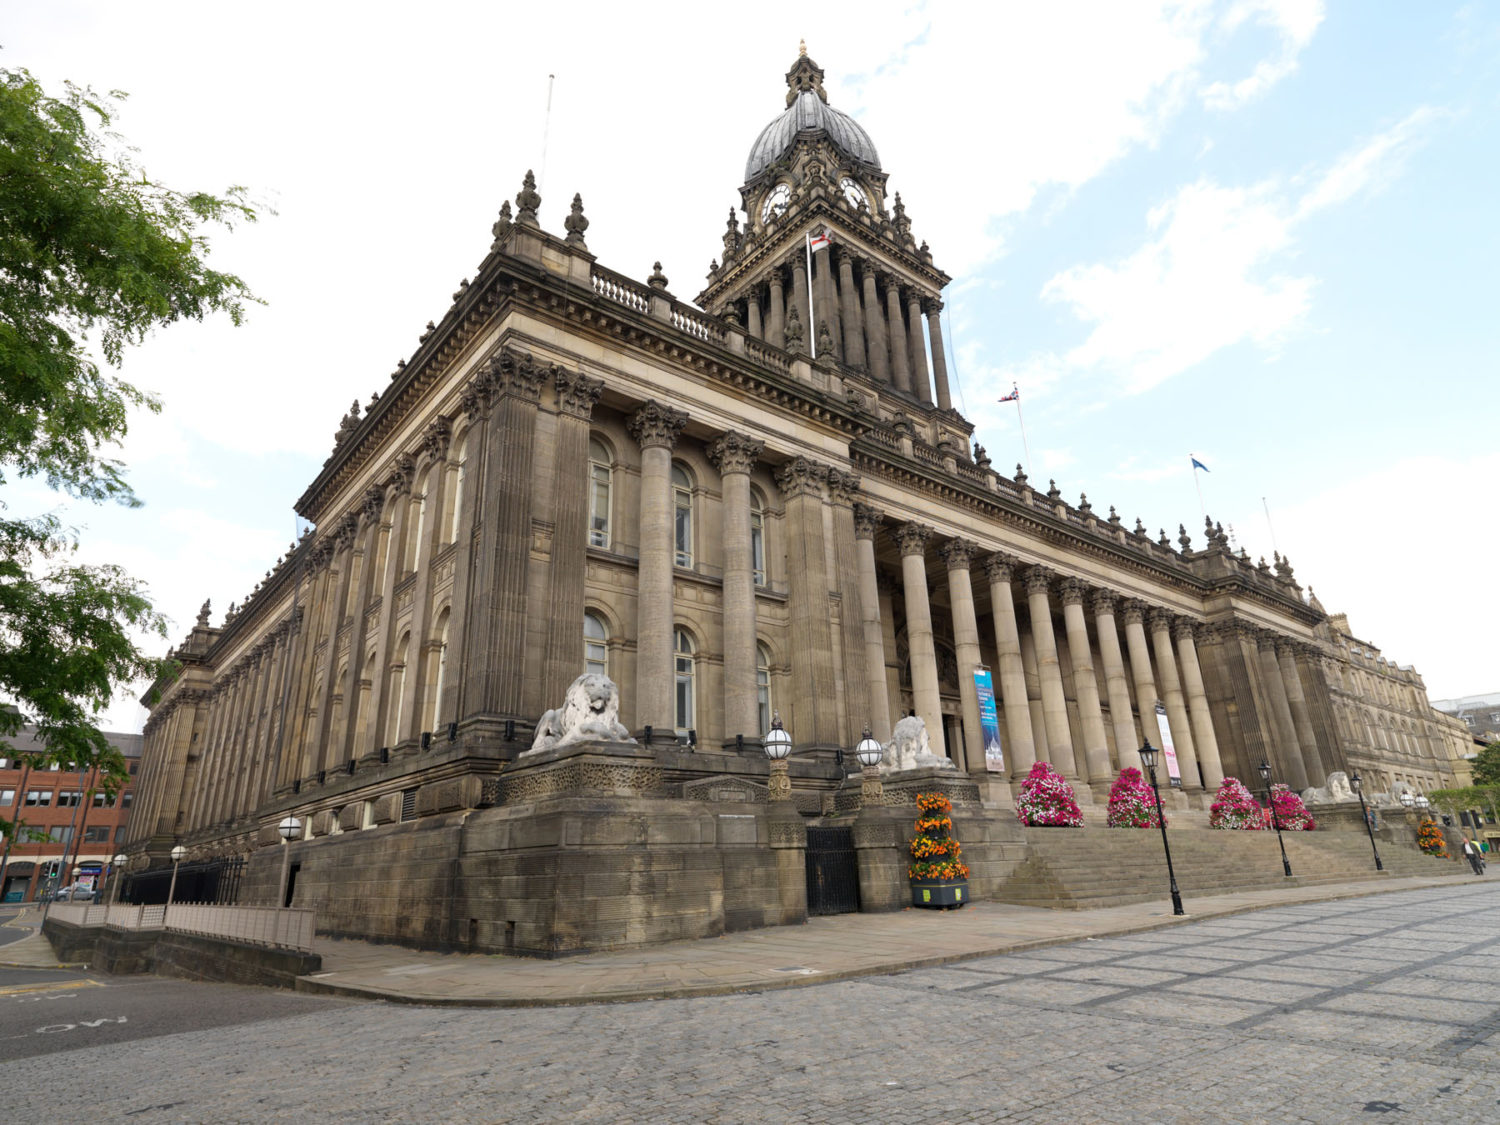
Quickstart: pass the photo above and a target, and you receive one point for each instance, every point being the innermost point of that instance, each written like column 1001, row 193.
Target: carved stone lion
column 590, row 713
column 1335, row 792
column 910, row 748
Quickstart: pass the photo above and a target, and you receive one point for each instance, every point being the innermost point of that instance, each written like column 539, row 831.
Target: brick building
column 85, row 828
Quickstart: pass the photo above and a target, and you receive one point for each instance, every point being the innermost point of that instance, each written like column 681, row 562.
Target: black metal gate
column 214, row 881
column 832, row 871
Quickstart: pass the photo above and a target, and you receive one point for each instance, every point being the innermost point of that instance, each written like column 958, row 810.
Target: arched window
column 437, row 672
column 682, row 516
column 601, row 477
column 758, row 536
column 455, row 507
column 763, row 687
column 416, row 514
column 396, row 685
column 682, row 644
column 362, row 711
column 595, row 645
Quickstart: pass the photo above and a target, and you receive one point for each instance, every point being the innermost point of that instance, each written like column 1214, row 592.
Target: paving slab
column 822, row 950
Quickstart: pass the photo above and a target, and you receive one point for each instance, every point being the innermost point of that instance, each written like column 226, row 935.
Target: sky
column 1257, row 232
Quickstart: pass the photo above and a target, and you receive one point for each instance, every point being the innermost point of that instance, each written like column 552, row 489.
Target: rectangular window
column 99, row 799
column 125, row 799
column 758, row 548
column 120, row 834
column 96, row 834
column 599, row 506
column 7, row 797
column 38, row 798
column 62, row 833
column 69, row 798
column 133, row 767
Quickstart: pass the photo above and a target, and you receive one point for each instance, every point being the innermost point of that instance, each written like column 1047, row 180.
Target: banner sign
column 989, row 721
column 1168, row 751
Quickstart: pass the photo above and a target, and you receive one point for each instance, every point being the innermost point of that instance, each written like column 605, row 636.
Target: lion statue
column 1335, row 792
column 590, row 713
column 910, row 748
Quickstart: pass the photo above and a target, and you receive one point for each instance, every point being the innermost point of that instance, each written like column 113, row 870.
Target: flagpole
column 1269, row 526
column 1026, row 445
column 812, row 315
column 1202, row 508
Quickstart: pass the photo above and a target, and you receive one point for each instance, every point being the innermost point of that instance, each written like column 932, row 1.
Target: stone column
column 866, row 521
column 576, row 396
column 900, row 357
column 1034, row 695
column 1095, row 765
column 386, row 582
column 939, row 357
column 343, row 564
column 920, row 379
column 1054, row 702
column 1140, row 669
column 656, row 428
column 875, row 345
column 824, row 300
column 1301, row 716
column 799, row 300
column 735, row 454
column 752, row 313
column 776, row 334
column 1127, row 752
column 912, row 539
column 1204, row 739
column 1021, row 751
column 1171, row 696
column 957, row 554
column 1292, row 771
column 814, row 716
column 851, row 640
column 854, row 333
column 466, row 568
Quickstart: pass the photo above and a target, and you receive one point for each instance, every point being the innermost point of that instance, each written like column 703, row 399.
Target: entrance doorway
column 832, row 871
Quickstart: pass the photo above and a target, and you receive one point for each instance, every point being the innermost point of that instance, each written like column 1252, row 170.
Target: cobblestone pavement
column 1382, row 1008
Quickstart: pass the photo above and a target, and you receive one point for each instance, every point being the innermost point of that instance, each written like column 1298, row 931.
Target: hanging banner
column 989, row 721
column 1168, row 751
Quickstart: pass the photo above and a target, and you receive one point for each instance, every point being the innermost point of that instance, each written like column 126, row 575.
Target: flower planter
column 944, row 893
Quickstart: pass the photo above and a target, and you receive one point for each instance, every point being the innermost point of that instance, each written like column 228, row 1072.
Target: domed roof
column 807, row 108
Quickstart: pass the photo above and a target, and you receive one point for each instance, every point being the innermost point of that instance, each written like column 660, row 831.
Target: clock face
column 852, row 191
column 776, row 202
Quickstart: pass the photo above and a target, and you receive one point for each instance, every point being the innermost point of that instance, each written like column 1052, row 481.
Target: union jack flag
column 1014, row 396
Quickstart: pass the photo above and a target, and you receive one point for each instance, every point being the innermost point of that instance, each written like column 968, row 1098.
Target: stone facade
column 762, row 503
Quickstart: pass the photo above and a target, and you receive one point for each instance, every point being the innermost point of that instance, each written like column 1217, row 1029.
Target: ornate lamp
column 119, row 869
column 1265, row 776
column 1408, row 800
column 178, row 854
column 870, row 754
column 290, row 828
column 1359, row 791
column 1148, row 759
column 778, row 747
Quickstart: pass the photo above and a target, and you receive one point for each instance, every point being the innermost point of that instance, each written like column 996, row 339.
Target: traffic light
column 54, row 868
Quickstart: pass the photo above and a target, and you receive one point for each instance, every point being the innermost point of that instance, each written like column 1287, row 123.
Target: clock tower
column 824, row 265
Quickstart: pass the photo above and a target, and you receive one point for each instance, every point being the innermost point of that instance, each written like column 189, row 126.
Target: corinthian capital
column 1104, row 603
column 912, row 538
column 735, row 452
column 1072, row 591
column 1185, row 629
column 999, row 567
column 801, row 477
column 1161, row 620
column 1038, row 580
column 957, row 553
column 866, row 521
column 576, row 393
column 655, row 425
column 842, row 486
column 1134, row 611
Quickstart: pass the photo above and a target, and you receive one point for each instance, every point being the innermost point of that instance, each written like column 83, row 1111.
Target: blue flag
column 1197, row 464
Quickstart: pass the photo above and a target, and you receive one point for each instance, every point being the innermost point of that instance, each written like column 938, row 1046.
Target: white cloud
column 1207, row 279
column 1293, row 21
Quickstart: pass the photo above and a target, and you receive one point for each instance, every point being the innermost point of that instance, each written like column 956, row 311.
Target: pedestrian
column 1471, row 853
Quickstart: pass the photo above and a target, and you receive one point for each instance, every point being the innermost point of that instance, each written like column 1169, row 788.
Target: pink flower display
column 1131, row 802
column 1233, row 807
column 1290, row 810
column 1047, row 800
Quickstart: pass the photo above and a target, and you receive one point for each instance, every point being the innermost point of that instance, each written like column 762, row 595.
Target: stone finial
column 463, row 287
column 203, row 614
column 1021, row 477
column 347, row 424
column 1312, row 600
column 1184, row 539
column 1053, row 492
column 1140, row 528
column 793, row 329
column 527, row 201
column 426, row 332
column 575, row 224
column 1114, row 516
column 731, row 236
column 980, row 457
column 899, row 219
column 657, row 280
column 1163, row 541
column 802, row 48
column 501, row 229
column 1083, row 503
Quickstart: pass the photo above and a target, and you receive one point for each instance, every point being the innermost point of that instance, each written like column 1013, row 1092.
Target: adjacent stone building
column 763, row 502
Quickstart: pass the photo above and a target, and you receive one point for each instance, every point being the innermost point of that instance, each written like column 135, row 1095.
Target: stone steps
column 1073, row 869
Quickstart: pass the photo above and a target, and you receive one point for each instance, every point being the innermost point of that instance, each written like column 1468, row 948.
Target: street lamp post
column 290, row 828
column 778, row 746
column 870, row 754
column 114, row 885
column 177, row 854
column 1265, row 776
column 1148, row 759
column 1358, row 786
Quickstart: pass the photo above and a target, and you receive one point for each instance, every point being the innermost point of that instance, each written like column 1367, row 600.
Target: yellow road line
column 55, row 986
